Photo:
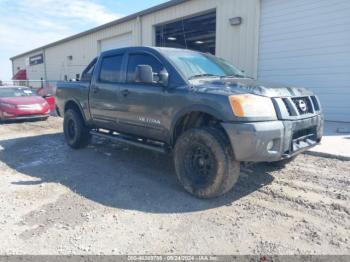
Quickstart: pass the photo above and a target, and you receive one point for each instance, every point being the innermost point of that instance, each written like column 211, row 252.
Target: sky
column 28, row 24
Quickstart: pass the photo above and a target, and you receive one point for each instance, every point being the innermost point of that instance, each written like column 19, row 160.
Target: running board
column 143, row 143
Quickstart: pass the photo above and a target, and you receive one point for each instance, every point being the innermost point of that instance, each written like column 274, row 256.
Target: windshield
column 16, row 92
column 194, row 65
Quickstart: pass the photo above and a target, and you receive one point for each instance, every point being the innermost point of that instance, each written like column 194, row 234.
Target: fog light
column 270, row 145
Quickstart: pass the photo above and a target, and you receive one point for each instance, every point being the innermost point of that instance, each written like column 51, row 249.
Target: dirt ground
column 114, row 199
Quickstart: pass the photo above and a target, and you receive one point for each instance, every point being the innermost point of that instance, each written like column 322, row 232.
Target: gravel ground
column 114, row 199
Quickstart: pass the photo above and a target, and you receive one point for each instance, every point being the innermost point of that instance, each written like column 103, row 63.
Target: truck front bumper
column 273, row 140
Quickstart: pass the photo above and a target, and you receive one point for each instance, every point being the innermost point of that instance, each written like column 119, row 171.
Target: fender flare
column 191, row 109
column 76, row 103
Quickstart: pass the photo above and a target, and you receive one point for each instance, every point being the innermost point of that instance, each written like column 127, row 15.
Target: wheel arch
column 194, row 116
column 74, row 104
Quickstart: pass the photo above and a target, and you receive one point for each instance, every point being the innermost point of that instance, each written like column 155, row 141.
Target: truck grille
column 288, row 107
column 296, row 107
column 303, row 105
column 304, row 138
column 315, row 102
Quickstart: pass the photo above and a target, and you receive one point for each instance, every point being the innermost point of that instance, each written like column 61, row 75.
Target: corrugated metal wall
column 34, row 72
column 82, row 50
column 307, row 43
column 238, row 44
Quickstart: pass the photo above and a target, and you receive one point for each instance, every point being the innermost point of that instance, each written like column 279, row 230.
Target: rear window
column 87, row 74
column 111, row 69
column 16, row 92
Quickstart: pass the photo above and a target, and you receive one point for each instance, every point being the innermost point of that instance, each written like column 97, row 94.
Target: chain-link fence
column 42, row 87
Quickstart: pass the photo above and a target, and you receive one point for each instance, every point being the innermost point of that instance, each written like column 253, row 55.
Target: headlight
column 8, row 105
column 252, row 106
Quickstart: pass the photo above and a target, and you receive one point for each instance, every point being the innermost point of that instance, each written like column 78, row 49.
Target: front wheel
column 75, row 131
column 204, row 163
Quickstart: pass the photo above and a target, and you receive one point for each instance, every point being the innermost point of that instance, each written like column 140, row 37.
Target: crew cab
column 195, row 105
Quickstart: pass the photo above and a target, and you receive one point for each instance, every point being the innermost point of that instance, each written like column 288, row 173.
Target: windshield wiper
column 202, row 75
column 233, row 76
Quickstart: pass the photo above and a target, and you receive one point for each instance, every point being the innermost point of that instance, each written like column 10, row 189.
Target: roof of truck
column 159, row 49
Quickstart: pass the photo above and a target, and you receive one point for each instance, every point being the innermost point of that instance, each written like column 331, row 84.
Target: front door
column 142, row 104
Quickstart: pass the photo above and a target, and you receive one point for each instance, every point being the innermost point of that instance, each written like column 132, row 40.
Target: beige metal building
column 300, row 42
column 69, row 56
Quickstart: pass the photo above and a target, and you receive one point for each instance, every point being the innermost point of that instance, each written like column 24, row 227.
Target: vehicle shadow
column 20, row 121
column 116, row 175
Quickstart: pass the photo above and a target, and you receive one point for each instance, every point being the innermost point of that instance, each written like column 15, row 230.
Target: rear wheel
column 75, row 131
column 204, row 163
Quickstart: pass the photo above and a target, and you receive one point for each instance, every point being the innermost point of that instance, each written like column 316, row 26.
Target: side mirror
column 144, row 74
column 164, row 77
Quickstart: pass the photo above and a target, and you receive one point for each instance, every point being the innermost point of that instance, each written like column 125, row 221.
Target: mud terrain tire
column 204, row 162
column 75, row 131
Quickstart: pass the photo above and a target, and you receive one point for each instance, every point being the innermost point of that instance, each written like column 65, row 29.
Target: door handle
column 95, row 89
column 125, row 92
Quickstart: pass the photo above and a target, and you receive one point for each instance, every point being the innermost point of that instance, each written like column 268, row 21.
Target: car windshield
column 195, row 65
column 16, row 92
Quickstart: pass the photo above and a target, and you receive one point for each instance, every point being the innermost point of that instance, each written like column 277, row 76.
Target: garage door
column 116, row 42
column 307, row 43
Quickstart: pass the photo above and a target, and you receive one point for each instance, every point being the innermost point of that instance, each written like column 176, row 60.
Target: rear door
column 104, row 90
column 142, row 104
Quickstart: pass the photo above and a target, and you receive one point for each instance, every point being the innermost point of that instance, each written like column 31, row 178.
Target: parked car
column 51, row 101
column 200, row 107
column 18, row 102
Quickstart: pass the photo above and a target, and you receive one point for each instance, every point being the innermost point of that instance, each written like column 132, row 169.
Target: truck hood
column 245, row 85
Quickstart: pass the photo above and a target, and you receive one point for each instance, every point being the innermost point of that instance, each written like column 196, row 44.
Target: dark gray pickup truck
column 195, row 105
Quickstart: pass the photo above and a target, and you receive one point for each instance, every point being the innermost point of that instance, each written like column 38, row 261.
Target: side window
column 141, row 59
column 87, row 74
column 111, row 69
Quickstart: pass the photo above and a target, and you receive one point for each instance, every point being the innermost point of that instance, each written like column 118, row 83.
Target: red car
column 51, row 101
column 22, row 103
column 46, row 92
